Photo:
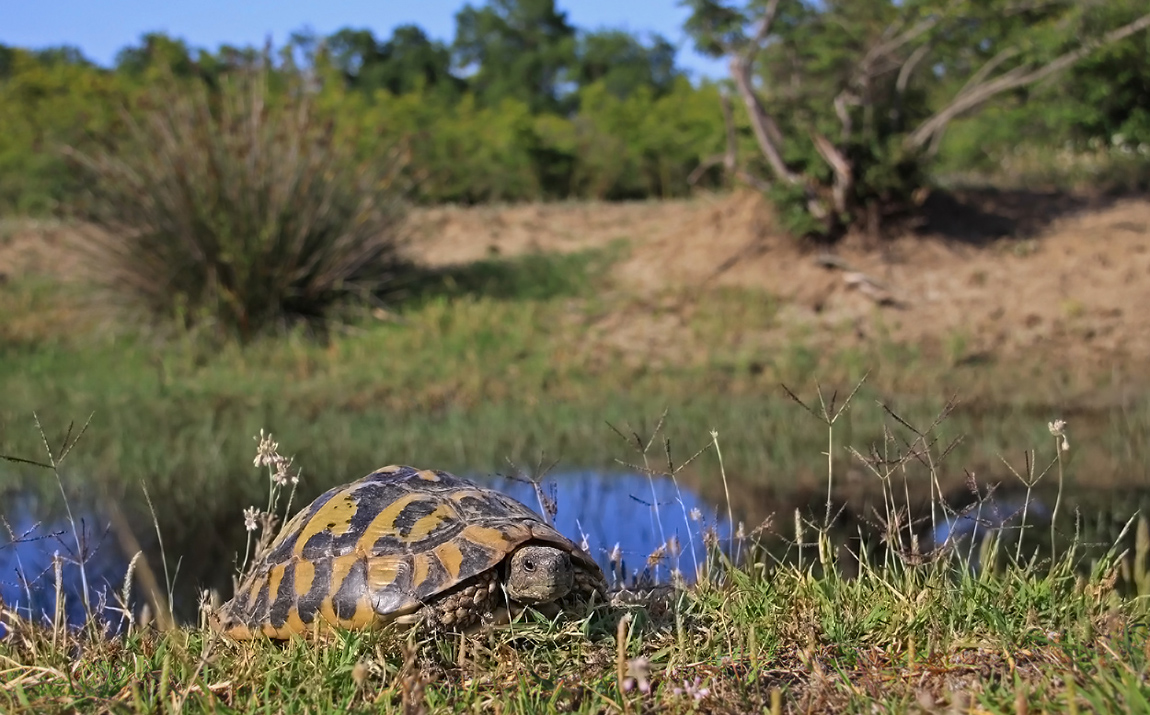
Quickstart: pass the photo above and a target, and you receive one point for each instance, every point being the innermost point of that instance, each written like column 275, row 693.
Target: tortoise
column 405, row 545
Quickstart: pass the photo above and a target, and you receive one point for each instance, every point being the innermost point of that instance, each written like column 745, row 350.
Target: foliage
column 240, row 208
column 626, row 124
column 850, row 101
column 521, row 105
column 408, row 62
column 623, row 64
column 46, row 100
column 1107, row 95
column 519, row 49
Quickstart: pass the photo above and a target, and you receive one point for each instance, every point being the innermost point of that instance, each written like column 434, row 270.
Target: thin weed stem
column 1061, row 444
column 164, row 614
column 80, row 551
column 726, row 490
column 830, row 474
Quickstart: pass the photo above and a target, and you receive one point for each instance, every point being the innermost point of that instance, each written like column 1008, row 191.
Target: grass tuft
column 238, row 207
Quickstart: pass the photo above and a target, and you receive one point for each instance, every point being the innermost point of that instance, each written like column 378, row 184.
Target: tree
column 1108, row 93
column 848, row 100
column 407, row 61
column 624, row 64
column 518, row 49
column 156, row 53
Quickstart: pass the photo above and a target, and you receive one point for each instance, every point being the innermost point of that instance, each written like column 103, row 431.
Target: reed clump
column 240, row 206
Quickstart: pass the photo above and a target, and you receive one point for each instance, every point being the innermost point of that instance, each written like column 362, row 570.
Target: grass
column 1119, row 167
column 502, row 360
column 781, row 630
column 237, row 208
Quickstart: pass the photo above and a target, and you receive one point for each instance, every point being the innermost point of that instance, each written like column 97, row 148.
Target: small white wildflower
column 585, row 545
column 1058, row 429
column 267, row 451
column 281, row 476
column 251, row 518
column 696, row 514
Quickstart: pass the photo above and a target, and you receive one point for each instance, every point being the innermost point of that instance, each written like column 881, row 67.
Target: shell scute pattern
column 385, row 546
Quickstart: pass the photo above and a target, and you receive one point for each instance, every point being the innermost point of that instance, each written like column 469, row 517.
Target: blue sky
column 100, row 29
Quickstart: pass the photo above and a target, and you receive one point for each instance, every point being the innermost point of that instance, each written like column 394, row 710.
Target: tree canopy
column 849, row 101
column 839, row 110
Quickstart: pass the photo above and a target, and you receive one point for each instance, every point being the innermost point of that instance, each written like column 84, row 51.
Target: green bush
column 45, row 102
column 239, row 207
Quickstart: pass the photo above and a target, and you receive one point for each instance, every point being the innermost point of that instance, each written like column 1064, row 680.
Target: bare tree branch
column 763, row 30
column 842, row 99
column 761, row 122
column 985, row 70
column 886, row 50
column 844, row 176
column 904, row 74
column 730, row 159
column 698, row 171
column 973, row 96
column 753, row 181
column 909, row 66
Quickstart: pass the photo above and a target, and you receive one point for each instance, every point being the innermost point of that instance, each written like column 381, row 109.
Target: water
column 995, row 516
column 618, row 513
column 620, row 518
column 29, row 550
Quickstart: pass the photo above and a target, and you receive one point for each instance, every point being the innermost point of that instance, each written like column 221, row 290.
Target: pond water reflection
column 31, row 552
column 621, row 516
column 627, row 514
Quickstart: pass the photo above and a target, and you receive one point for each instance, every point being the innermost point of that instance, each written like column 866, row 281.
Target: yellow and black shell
column 386, row 546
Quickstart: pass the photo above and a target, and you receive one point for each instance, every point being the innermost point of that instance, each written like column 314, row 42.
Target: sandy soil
column 1065, row 279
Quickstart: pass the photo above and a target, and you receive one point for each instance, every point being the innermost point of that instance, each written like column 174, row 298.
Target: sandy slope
column 1067, row 280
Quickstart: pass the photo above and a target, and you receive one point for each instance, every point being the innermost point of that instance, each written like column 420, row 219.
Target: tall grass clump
column 238, row 206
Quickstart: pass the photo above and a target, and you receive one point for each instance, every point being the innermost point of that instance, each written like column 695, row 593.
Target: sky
column 101, row 29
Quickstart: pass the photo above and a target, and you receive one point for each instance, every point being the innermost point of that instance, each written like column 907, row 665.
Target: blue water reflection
column 625, row 516
column 28, row 552
column 1005, row 517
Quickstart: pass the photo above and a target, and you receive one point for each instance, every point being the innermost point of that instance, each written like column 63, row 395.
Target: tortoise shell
column 383, row 547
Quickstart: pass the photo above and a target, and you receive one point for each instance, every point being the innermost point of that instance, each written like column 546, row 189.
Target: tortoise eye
column 528, row 565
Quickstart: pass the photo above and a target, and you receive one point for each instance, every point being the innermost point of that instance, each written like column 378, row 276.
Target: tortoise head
column 540, row 574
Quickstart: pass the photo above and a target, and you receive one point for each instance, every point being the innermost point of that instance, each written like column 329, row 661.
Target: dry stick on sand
column 865, row 284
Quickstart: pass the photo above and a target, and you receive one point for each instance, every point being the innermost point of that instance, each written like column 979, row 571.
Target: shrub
column 239, row 206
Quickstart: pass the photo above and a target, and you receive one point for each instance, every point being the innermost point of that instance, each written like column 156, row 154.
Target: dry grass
column 239, row 208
